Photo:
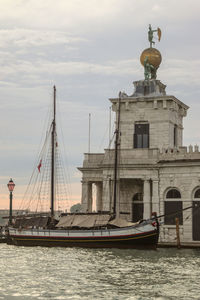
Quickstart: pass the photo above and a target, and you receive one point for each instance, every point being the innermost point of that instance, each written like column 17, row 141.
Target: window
column 137, row 207
column 196, row 216
column 141, row 136
column 197, row 194
column 173, row 207
column 173, row 193
column 138, row 197
column 175, row 135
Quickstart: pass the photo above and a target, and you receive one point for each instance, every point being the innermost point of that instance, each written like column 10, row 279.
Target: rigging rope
column 173, row 213
column 37, row 194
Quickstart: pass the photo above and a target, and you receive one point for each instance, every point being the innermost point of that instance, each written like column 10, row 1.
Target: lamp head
column 11, row 185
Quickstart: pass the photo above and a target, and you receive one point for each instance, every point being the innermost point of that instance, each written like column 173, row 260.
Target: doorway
column 196, row 221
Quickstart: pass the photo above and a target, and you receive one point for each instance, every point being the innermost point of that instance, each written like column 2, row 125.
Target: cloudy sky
column 90, row 50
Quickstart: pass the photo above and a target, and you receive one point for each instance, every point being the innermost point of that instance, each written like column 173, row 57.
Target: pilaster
column 147, row 199
column 99, row 203
column 155, row 197
column 86, row 200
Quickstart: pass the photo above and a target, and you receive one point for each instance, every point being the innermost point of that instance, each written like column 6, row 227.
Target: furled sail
column 91, row 221
column 83, row 221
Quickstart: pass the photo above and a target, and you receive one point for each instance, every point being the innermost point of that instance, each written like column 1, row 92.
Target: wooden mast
column 53, row 153
column 117, row 143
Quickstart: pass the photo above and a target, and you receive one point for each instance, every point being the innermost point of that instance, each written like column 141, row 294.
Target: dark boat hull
column 3, row 239
column 142, row 241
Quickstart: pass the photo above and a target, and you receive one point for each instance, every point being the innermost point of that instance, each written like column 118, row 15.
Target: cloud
column 48, row 14
column 173, row 71
column 178, row 71
column 23, row 37
column 93, row 15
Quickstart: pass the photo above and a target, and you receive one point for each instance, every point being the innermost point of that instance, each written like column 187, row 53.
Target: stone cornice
column 131, row 99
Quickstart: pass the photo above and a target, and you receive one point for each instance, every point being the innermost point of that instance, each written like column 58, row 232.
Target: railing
column 131, row 156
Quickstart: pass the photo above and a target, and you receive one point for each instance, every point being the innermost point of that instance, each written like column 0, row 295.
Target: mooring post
column 177, row 234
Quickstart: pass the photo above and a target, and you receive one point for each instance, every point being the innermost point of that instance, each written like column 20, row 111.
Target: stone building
column 156, row 173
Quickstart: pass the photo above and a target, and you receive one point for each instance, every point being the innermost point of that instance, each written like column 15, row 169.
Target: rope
column 174, row 213
column 193, row 213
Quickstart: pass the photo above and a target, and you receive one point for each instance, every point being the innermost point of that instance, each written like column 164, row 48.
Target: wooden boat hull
column 113, row 238
column 3, row 239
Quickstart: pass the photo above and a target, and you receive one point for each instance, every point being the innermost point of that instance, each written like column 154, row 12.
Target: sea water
column 75, row 273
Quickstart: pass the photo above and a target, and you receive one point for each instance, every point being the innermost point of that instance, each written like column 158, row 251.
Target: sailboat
column 91, row 230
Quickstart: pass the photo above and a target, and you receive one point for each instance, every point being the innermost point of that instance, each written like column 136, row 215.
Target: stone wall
column 161, row 113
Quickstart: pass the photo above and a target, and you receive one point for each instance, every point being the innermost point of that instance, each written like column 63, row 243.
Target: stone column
column 155, row 197
column 86, row 200
column 106, row 195
column 99, row 196
column 147, row 200
column 84, row 196
column 89, row 208
column 186, row 230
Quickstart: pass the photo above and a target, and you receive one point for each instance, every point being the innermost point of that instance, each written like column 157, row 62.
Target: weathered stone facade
column 156, row 172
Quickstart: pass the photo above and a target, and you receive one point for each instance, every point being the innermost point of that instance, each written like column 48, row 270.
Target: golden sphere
column 154, row 57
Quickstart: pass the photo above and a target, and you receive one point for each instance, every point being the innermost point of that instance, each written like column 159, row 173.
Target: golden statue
column 151, row 57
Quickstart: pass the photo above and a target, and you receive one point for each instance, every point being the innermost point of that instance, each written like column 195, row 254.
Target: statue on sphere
column 150, row 35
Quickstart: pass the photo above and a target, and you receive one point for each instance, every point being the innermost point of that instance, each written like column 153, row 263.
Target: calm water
column 73, row 273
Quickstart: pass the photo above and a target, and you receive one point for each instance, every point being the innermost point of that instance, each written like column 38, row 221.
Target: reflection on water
column 75, row 273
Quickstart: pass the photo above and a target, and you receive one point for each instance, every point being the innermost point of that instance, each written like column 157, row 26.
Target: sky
column 90, row 50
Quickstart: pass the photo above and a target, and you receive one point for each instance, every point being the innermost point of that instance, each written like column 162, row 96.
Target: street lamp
column 11, row 186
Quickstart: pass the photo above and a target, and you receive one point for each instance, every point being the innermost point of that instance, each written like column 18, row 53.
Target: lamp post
column 11, row 186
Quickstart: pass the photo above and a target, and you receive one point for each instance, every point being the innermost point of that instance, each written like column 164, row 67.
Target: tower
column 149, row 117
column 151, row 122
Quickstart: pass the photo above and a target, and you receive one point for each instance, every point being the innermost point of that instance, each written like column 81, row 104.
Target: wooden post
column 177, row 234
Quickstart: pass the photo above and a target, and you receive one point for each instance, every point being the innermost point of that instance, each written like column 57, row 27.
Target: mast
column 53, row 133
column 117, row 134
column 109, row 138
column 89, row 132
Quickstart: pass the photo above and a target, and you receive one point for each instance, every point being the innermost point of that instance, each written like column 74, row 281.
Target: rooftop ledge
column 148, row 90
column 141, row 156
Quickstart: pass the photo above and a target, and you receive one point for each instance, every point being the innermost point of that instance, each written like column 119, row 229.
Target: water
column 75, row 273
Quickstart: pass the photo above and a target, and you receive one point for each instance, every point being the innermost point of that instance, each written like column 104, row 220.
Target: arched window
column 197, row 194
column 137, row 207
column 173, row 207
column 173, row 193
column 137, row 197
